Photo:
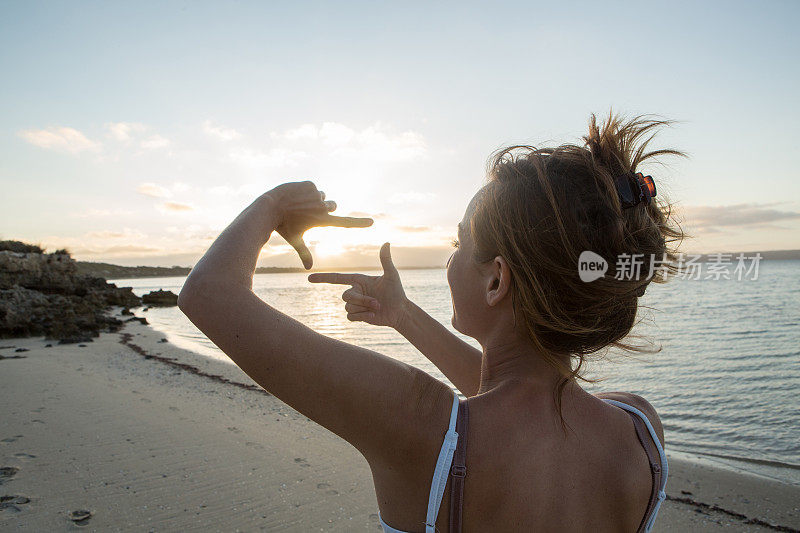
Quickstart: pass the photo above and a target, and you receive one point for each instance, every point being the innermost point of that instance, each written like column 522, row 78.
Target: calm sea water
column 726, row 382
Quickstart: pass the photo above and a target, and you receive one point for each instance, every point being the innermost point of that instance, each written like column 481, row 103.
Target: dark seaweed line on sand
column 740, row 516
column 126, row 340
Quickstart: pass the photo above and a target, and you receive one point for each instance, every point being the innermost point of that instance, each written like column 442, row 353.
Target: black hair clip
column 634, row 189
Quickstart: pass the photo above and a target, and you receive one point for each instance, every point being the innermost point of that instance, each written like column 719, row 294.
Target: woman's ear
column 498, row 282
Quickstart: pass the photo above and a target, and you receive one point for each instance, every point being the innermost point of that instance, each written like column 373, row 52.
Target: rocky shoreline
column 42, row 294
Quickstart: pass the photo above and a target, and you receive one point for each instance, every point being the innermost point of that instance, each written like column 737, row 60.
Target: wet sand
column 139, row 434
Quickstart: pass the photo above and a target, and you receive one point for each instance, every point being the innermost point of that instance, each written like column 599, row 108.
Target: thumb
column 303, row 252
column 389, row 270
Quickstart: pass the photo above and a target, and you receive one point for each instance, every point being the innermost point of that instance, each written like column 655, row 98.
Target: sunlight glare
column 328, row 248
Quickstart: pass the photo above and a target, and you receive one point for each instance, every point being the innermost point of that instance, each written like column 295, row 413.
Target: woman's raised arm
column 383, row 407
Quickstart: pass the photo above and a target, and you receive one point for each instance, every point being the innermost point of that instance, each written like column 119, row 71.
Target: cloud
column 60, row 138
column 92, row 213
column 153, row 190
column 174, row 244
column 711, row 219
column 306, row 131
column 414, row 229
column 334, row 134
column 177, row 206
column 110, row 251
column 126, row 233
column 373, row 142
column 105, row 243
column 122, row 131
column 192, row 232
column 405, row 146
column 131, row 248
column 330, row 133
column 218, row 132
column 154, row 142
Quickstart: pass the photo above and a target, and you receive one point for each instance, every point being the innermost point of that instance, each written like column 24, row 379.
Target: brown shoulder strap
column 459, row 469
column 655, row 466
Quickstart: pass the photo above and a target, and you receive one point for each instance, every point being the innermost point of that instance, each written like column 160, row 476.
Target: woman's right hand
column 378, row 300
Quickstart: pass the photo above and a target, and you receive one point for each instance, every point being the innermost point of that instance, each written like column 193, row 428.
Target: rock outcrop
column 160, row 298
column 42, row 294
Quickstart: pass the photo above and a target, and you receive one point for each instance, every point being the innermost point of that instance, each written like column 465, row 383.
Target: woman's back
column 524, row 472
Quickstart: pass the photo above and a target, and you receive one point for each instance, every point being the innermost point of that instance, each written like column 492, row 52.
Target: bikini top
column 451, row 464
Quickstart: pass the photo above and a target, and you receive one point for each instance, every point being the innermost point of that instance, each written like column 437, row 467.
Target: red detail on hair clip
column 648, row 185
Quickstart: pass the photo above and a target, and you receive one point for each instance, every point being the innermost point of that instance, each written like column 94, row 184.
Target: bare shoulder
column 641, row 404
column 402, row 469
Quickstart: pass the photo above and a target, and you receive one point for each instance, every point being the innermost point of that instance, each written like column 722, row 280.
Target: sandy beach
column 148, row 436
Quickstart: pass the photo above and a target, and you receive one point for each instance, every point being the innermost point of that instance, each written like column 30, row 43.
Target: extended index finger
column 346, row 222
column 335, row 277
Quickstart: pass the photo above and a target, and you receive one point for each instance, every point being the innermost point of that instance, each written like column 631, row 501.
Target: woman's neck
column 513, row 364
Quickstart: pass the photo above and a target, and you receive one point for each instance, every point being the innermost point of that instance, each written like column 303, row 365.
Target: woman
column 543, row 453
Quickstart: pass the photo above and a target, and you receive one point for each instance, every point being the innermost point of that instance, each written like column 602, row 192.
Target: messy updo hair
column 542, row 207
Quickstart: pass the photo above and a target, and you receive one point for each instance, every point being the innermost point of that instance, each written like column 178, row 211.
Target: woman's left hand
column 298, row 207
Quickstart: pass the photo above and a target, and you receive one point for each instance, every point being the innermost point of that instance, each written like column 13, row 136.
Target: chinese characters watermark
column 717, row 266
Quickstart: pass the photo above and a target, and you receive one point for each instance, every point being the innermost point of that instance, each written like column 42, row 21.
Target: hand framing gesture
column 299, row 207
column 378, row 300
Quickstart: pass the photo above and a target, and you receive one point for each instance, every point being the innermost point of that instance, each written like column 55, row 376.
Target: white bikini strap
column 442, row 471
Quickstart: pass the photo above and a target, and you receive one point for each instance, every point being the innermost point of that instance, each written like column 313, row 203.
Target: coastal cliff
column 43, row 294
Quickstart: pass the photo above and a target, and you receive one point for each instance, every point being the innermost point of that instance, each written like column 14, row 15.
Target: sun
column 328, row 248
column 327, row 242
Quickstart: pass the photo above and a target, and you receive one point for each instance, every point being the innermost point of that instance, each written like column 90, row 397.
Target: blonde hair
column 542, row 207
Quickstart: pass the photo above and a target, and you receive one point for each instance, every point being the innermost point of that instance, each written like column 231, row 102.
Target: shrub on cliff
column 20, row 247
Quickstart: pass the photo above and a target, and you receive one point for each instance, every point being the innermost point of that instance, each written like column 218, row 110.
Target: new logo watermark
column 592, row 266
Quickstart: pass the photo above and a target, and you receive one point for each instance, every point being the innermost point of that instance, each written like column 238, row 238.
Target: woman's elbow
column 204, row 293
column 190, row 293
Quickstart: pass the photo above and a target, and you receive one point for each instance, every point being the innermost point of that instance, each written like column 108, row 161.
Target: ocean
column 726, row 382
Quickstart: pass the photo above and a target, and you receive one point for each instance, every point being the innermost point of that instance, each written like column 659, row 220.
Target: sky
column 135, row 132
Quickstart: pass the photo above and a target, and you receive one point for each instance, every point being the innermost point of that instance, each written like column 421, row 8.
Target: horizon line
column 764, row 253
